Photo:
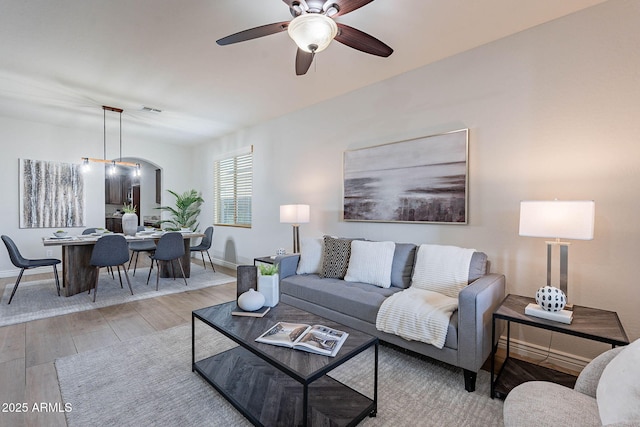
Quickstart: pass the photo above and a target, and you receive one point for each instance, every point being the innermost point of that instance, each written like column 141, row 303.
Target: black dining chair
column 169, row 248
column 204, row 246
column 24, row 264
column 110, row 251
column 137, row 247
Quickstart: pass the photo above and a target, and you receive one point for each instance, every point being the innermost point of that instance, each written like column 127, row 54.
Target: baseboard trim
column 534, row 352
column 38, row 270
column 224, row 263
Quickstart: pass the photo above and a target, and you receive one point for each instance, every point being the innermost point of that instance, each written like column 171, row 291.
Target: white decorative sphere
column 551, row 298
column 251, row 300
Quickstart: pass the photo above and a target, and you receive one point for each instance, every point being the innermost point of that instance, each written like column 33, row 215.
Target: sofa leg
column 470, row 380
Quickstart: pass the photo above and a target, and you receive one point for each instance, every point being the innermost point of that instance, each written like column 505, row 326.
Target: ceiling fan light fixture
column 312, row 32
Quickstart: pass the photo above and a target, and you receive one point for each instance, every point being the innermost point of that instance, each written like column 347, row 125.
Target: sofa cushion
column 359, row 300
column 542, row 403
column 310, row 256
column 355, row 299
column 336, row 254
column 618, row 392
column 402, row 265
column 478, row 266
column 370, row 262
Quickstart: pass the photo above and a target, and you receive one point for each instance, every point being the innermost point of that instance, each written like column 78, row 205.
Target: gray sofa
column 354, row 304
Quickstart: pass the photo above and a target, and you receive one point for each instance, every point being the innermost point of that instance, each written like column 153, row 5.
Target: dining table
column 78, row 275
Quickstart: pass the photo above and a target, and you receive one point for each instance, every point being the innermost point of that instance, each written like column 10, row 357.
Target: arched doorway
column 144, row 191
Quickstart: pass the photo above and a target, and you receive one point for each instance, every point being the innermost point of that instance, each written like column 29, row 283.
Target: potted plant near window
column 129, row 220
column 184, row 214
column 268, row 284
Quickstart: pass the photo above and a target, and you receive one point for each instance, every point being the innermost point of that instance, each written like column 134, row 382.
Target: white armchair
column 589, row 403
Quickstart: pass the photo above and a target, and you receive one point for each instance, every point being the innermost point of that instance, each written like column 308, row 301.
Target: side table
column 590, row 323
column 265, row 260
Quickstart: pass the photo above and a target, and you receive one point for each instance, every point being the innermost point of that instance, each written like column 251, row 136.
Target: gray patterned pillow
column 335, row 261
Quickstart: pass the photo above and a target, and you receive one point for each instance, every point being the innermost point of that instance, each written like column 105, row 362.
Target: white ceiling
column 61, row 60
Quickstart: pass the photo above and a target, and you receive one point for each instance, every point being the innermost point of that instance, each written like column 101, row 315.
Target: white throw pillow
column 310, row 256
column 370, row 262
column 618, row 392
column 443, row 269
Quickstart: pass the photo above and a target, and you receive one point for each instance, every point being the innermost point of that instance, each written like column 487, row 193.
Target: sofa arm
column 287, row 265
column 476, row 304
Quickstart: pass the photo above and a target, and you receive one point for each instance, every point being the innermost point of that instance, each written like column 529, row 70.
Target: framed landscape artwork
column 51, row 194
column 422, row 180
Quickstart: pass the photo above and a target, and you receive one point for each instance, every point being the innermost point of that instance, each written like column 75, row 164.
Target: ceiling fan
column 313, row 27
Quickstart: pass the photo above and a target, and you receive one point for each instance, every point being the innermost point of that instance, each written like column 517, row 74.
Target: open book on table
column 315, row 339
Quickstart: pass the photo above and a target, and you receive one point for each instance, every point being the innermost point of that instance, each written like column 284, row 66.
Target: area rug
column 148, row 381
column 39, row 299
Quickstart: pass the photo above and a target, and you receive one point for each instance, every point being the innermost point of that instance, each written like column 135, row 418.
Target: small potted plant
column 268, row 284
column 129, row 220
column 60, row 233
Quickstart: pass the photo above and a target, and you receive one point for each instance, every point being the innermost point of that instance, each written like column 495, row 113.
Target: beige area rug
column 39, row 299
column 148, row 381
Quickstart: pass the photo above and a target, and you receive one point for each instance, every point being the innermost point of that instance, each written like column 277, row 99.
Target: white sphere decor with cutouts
column 251, row 300
column 551, row 298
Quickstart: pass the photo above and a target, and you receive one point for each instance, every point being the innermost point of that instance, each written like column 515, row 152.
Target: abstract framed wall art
column 51, row 194
column 422, row 180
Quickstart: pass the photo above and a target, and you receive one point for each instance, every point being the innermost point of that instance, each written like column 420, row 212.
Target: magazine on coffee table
column 315, row 339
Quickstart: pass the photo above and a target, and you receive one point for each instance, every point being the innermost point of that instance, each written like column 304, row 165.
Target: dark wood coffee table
column 273, row 385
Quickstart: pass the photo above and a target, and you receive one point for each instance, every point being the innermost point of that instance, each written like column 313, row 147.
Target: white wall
column 40, row 141
column 552, row 112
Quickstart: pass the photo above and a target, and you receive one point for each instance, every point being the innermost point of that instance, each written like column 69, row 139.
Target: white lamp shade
column 294, row 214
column 312, row 32
column 558, row 219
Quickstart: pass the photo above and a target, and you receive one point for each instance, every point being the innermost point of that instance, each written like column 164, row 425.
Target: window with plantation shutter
column 233, row 182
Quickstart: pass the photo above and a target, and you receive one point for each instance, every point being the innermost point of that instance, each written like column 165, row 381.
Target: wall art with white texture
column 51, row 194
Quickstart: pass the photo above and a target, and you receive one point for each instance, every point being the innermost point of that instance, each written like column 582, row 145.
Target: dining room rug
column 39, row 299
column 148, row 381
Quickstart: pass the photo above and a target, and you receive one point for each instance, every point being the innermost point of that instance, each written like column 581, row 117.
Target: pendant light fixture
column 114, row 164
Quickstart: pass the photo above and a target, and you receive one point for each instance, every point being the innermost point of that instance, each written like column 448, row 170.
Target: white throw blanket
column 417, row 315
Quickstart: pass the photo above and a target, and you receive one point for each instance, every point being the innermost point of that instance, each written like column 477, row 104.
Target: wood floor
column 28, row 350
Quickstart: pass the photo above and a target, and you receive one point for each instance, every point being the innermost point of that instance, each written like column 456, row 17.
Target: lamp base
column 563, row 316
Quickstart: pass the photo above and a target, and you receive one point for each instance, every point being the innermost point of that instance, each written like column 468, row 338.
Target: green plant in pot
column 129, row 220
column 268, row 284
column 268, row 269
column 185, row 212
column 130, row 208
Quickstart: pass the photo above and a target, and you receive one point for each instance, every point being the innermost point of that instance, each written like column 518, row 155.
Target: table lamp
column 295, row 215
column 558, row 219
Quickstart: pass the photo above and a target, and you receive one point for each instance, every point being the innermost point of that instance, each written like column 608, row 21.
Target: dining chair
column 24, row 264
column 92, row 230
column 110, row 251
column 204, row 246
column 169, row 248
column 137, row 247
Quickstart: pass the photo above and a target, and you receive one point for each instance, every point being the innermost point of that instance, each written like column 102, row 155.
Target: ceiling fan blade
column 303, row 62
column 361, row 41
column 343, row 6
column 254, row 33
column 346, row 6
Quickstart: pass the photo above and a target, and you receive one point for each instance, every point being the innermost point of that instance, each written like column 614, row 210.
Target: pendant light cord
column 120, row 135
